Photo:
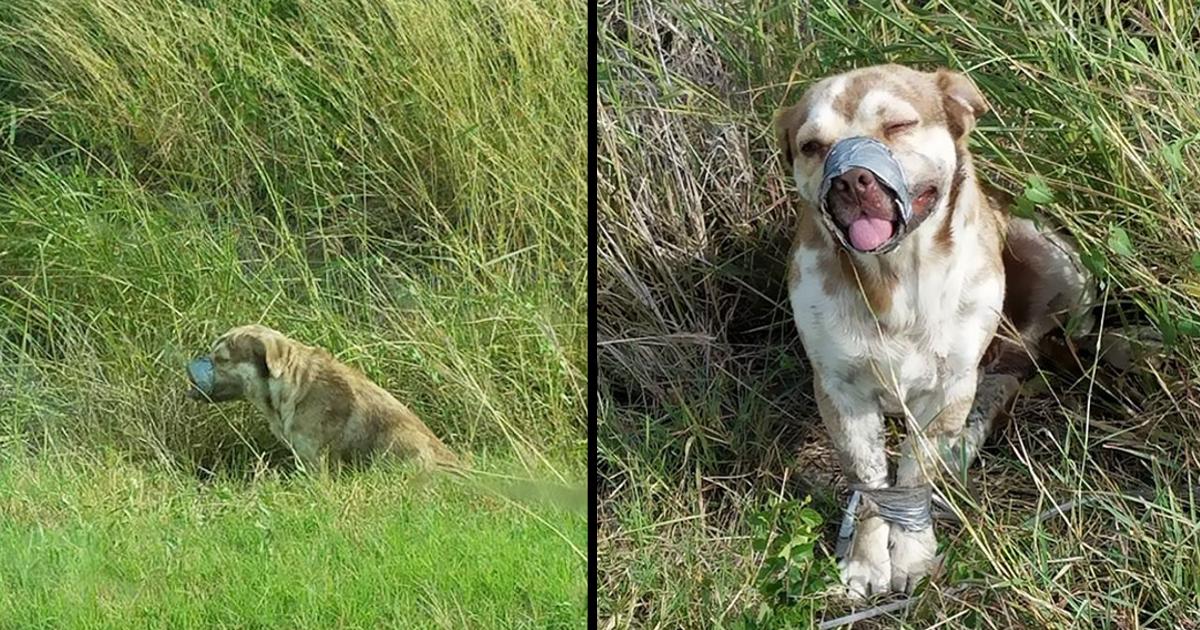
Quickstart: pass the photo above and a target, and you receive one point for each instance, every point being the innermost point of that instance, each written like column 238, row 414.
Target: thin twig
column 869, row 613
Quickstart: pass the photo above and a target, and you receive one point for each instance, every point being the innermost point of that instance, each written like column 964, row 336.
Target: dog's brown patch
column 808, row 235
column 944, row 238
column 846, row 103
column 1020, row 277
column 961, row 101
column 837, row 267
column 793, row 274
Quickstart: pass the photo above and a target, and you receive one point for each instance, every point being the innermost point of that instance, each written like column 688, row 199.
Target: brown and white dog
column 327, row 412
column 896, row 318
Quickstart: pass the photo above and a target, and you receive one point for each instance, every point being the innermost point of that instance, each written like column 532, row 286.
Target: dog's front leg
column 856, row 428
column 925, row 453
column 307, row 450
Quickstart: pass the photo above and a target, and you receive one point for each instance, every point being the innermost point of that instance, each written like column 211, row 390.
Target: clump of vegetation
column 794, row 574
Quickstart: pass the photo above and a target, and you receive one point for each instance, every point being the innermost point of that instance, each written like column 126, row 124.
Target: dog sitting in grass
column 327, row 412
column 900, row 275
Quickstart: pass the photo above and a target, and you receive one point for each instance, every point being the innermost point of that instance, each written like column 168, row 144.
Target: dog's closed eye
column 898, row 126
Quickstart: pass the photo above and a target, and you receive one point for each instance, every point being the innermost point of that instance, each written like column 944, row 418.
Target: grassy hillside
column 403, row 183
column 706, row 414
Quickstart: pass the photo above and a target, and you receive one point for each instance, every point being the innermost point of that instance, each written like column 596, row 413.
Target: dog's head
column 922, row 118
column 239, row 365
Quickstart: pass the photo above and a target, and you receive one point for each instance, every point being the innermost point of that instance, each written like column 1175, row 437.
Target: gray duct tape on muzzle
column 201, row 372
column 874, row 156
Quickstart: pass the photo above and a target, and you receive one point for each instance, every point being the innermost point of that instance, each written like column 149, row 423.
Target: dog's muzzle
column 874, row 156
column 200, row 371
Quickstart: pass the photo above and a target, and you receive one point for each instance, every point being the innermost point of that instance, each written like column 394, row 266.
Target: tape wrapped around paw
column 909, row 507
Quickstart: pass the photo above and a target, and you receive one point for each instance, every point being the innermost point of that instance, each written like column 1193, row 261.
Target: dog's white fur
column 901, row 333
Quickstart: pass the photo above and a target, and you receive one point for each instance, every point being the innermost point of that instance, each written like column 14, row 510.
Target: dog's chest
column 894, row 368
column 934, row 329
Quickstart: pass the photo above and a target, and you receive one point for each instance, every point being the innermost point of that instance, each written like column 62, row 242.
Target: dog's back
column 372, row 421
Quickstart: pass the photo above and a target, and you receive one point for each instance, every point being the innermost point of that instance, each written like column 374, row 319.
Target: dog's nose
column 860, row 181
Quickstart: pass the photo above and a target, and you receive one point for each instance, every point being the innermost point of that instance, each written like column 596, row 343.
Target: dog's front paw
column 913, row 557
column 864, row 578
column 867, row 568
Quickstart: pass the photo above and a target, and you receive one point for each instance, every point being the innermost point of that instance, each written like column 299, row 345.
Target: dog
column 901, row 272
column 326, row 412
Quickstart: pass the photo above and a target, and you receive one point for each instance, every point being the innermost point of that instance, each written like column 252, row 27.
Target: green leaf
column 1140, row 50
column 1023, row 208
column 788, row 362
column 1095, row 262
column 1165, row 323
column 1173, row 155
column 810, row 518
column 1036, row 191
column 1118, row 241
column 1196, row 262
column 797, row 547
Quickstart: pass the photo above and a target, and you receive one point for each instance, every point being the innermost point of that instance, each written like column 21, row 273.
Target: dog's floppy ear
column 961, row 100
column 270, row 352
column 787, row 123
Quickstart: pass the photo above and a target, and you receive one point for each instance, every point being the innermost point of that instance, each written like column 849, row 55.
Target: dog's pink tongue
column 867, row 233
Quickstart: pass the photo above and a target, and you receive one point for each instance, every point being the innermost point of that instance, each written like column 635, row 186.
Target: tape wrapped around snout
column 874, row 156
column 201, row 373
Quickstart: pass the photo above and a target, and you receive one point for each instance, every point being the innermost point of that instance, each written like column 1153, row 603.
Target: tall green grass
column 706, row 413
column 400, row 182
column 109, row 544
